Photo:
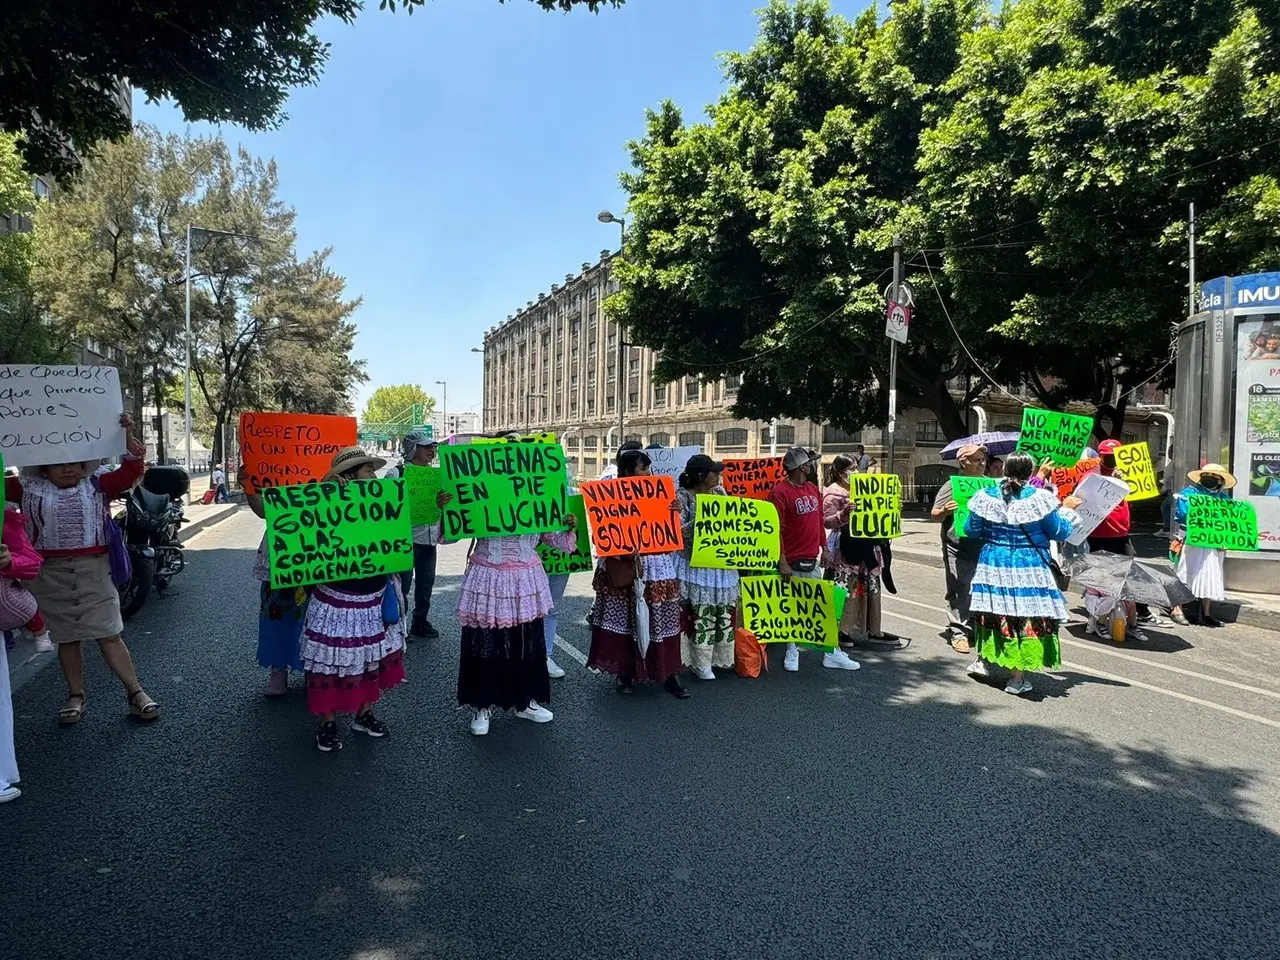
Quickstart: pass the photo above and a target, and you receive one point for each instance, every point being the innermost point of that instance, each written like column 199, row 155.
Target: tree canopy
column 61, row 64
column 1037, row 162
column 393, row 403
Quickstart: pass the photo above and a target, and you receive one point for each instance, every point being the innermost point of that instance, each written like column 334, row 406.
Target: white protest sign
column 59, row 414
column 1101, row 495
column 669, row 461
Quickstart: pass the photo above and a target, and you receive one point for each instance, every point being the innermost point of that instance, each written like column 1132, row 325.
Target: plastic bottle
column 1119, row 624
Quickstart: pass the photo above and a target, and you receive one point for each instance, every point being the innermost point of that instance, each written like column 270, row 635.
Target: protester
column 959, row 553
column 1015, row 601
column 862, row 460
column 503, row 600
column 557, row 583
column 67, row 510
column 802, row 536
column 611, row 470
column 419, row 448
column 615, row 632
column 1200, row 568
column 995, row 468
column 18, row 561
column 353, row 635
column 1112, row 536
column 709, row 597
column 857, row 565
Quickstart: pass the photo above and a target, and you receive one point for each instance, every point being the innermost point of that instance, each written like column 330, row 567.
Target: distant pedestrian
column 862, row 461
column 419, row 581
column 611, row 470
column 1016, row 603
column 280, row 613
column 959, row 553
column 709, row 597
column 803, row 536
column 617, row 634
column 502, row 602
column 1200, row 568
column 68, row 513
column 353, row 634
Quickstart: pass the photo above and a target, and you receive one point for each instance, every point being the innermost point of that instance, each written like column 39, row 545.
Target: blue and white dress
column 1015, row 604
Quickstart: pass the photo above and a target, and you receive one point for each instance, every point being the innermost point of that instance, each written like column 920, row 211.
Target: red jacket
column 1116, row 524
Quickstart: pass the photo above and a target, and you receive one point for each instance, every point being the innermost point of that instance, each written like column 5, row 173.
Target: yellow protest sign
column 735, row 533
column 798, row 610
column 1133, row 463
column 876, row 499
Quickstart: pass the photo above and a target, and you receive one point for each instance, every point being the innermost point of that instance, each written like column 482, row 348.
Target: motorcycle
column 149, row 523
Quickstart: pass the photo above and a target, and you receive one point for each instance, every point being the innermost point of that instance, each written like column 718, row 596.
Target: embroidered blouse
column 71, row 521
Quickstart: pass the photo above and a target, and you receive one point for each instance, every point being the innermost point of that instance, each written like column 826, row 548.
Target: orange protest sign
column 632, row 515
column 279, row 449
column 752, row 478
column 1066, row 479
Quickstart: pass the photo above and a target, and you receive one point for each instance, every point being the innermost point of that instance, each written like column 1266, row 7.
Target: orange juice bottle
column 1119, row 624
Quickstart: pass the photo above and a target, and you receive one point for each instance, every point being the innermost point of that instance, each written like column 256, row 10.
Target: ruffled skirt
column 503, row 668
column 708, row 635
column 1015, row 582
column 1200, row 568
column 350, row 656
column 702, row 587
column 1017, row 643
column 280, row 617
column 500, row 597
column 613, row 646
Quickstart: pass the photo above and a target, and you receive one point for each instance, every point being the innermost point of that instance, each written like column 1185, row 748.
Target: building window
column 661, row 438
column 692, row 439
column 732, row 437
column 786, row 436
column 692, row 389
column 40, row 188
column 633, row 436
column 659, row 394
column 832, row 434
column 633, row 398
column 732, row 383
column 928, row 430
column 634, row 367
column 571, row 443
column 589, row 442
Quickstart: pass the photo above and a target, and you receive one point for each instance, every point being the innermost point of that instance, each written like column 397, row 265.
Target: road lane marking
column 572, row 651
column 1095, row 648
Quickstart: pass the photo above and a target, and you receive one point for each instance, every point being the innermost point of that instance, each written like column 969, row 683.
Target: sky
column 455, row 160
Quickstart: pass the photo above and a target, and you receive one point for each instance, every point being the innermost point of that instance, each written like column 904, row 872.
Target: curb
column 1232, row 611
column 22, row 673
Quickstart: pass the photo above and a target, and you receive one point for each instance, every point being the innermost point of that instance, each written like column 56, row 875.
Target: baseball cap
column 1108, row 447
column 798, row 457
column 700, row 463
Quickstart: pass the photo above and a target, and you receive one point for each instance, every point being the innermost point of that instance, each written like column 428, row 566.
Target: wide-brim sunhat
column 1213, row 469
column 351, row 458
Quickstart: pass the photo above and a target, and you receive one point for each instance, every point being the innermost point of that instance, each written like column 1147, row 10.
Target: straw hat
column 350, row 458
column 1218, row 470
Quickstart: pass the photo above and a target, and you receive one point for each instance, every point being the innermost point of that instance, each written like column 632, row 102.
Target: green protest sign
column 554, row 561
column 422, row 489
column 321, row 532
column 1219, row 523
column 501, row 489
column 876, row 499
column 962, row 488
column 735, row 533
column 798, row 610
column 1061, row 437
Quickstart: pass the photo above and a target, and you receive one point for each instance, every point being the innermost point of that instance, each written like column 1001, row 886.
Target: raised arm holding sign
column 1133, row 462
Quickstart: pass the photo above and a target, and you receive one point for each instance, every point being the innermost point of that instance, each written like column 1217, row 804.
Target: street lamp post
column 604, row 216
column 444, row 407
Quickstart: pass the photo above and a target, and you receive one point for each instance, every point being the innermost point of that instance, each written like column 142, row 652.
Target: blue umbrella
column 997, row 444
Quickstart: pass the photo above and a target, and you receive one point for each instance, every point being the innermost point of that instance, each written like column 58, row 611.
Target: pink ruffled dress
column 505, row 584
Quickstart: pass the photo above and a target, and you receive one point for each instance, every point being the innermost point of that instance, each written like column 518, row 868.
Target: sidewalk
column 920, row 543
column 25, row 662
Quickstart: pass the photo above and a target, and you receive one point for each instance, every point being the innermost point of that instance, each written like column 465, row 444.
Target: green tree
column 60, row 66
column 393, row 404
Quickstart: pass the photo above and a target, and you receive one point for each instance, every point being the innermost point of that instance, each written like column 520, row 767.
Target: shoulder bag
column 1059, row 578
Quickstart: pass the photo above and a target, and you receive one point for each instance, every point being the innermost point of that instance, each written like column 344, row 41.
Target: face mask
column 1211, row 483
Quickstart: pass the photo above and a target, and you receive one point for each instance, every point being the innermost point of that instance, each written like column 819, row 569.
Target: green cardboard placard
column 877, row 506
column 1061, row 437
column 1219, row 523
column 321, row 532
column 421, row 488
column 735, row 533
column 503, row 489
column 556, row 562
column 962, row 489
column 798, row 610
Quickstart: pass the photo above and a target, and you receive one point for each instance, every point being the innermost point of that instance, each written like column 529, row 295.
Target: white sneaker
column 791, row 662
column 480, row 723
column 536, row 712
column 9, row 793
column 839, row 660
column 1020, row 688
column 43, row 643
column 704, row 673
column 978, row 669
column 554, row 670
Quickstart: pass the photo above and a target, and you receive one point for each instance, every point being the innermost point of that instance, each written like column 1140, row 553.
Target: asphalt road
column 1130, row 811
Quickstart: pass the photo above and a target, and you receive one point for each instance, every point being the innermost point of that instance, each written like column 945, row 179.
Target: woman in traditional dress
column 857, row 565
column 68, row 514
column 710, row 597
column 1200, row 568
column 614, row 646
column 353, row 634
column 1015, row 603
column 502, row 602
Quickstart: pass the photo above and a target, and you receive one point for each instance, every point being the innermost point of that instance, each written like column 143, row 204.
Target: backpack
column 749, row 657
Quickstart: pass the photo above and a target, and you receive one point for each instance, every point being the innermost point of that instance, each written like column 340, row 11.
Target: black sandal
column 624, row 685
column 673, row 687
